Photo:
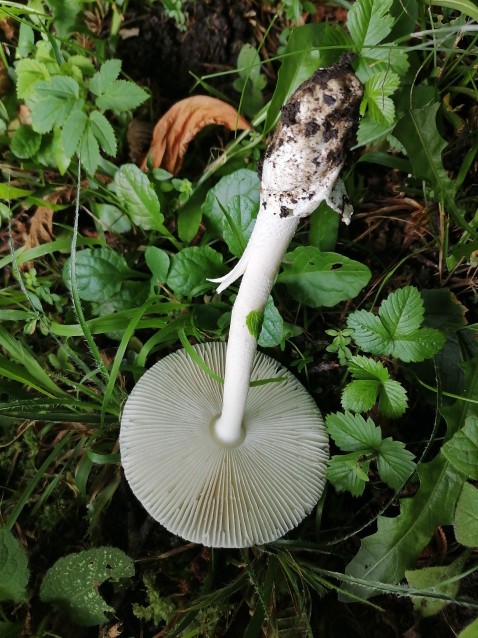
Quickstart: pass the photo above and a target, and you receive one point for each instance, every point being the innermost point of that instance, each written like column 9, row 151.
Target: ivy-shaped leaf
column 396, row 330
column 72, row 583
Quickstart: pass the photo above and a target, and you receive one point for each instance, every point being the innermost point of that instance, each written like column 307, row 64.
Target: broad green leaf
column 463, row 6
column 471, row 631
column 417, row 131
column 394, row 463
column 322, row 279
column 29, row 72
column 25, row 143
column 457, row 414
column 351, row 432
column 89, row 151
column 138, row 197
column 8, row 192
column 242, row 182
column 64, row 15
column 104, row 133
column 73, row 131
column 370, row 132
column 378, row 89
column 462, row 449
column 369, row 22
column 249, row 66
column 104, row 78
column 402, row 311
column 121, row 95
column 272, row 332
column 158, row 263
column 366, row 368
column 239, row 218
column 56, row 99
column 360, row 395
column 386, row 555
column 73, row 581
column 466, row 516
column 348, row 473
column 254, row 322
column 301, row 59
column 324, row 228
column 393, row 399
column 191, row 268
column 432, row 579
column 14, row 573
column 99, row 273
column 112, row 218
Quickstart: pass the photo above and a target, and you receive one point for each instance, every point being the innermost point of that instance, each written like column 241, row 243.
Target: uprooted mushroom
column 232, row 465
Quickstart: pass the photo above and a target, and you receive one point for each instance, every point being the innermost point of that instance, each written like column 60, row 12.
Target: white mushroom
column 234, row 465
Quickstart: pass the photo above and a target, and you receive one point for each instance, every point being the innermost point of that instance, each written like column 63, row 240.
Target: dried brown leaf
column 182, row 123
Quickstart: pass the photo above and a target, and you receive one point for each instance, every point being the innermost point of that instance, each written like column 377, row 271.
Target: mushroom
column 235, row 465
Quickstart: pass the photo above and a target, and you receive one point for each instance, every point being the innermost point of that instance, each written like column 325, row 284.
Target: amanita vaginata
column 230, row 465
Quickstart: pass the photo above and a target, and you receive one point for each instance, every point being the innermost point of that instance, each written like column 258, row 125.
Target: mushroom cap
column 202, row 490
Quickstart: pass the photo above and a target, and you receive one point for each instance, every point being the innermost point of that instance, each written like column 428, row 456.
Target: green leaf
column 378, row 89
column 384, row 556
column 242, row 182
column 365, row 368
column 351, row 432
column 394, row 463
column 73, row 131
column 322, row 279
column 254, row 322
column 393, row 399
column 72, row 583
column 104, row 133
column 348, row 473
column 463, row 6
column 29, row 72
column 14, row 573
column 112, row 218
column 104, row 78
column 432, row 579
column 9, row 192
column 462, row 449
column 249, row 65
column 25, row 143
column 301, row 59
column 369, row 22
column 89, row 151
column 56, row 99
column 360, row 396
column 238, row 221
column 395, row 331
column 272, row 332
column 471, row 631
column 370, row 132
column 417, row 131
column 121, row 95
column 99, row 273
column 191, row 268
column 157, row 261
column 466, row 516
column 138, row 197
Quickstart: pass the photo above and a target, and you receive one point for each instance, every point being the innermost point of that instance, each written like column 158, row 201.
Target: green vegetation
column 105, row 268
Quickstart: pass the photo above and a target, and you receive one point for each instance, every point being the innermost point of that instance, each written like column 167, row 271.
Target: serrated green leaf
column 29, row 72
column 352, row 432
column 417, row 131
column 242, row 182
column 462, row 449
column 56, row 99
column 360, row 395
column 322, row 279
column 14, row 573
column 191, row 268
column 393, row 399
column 384, row 556
column 104, row 78
column 238, row 221
column 394, row 463
column 25, row 143
column 73, row 131
column 121, row 95
column 378, row 89
column 370, row 132
column 369, row 22
column 365, row 368
column 100, row 273
column 138, row 197
column 104, row 132
column 89, row 151
column 254, row 322
column 466, row 516
column 402, row 311
column 348, row 473
column 72, row 583
column 272, row 332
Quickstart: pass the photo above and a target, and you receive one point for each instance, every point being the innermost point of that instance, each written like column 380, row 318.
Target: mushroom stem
column 268, row 244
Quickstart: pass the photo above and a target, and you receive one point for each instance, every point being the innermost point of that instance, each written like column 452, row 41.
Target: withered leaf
column 178, row 126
